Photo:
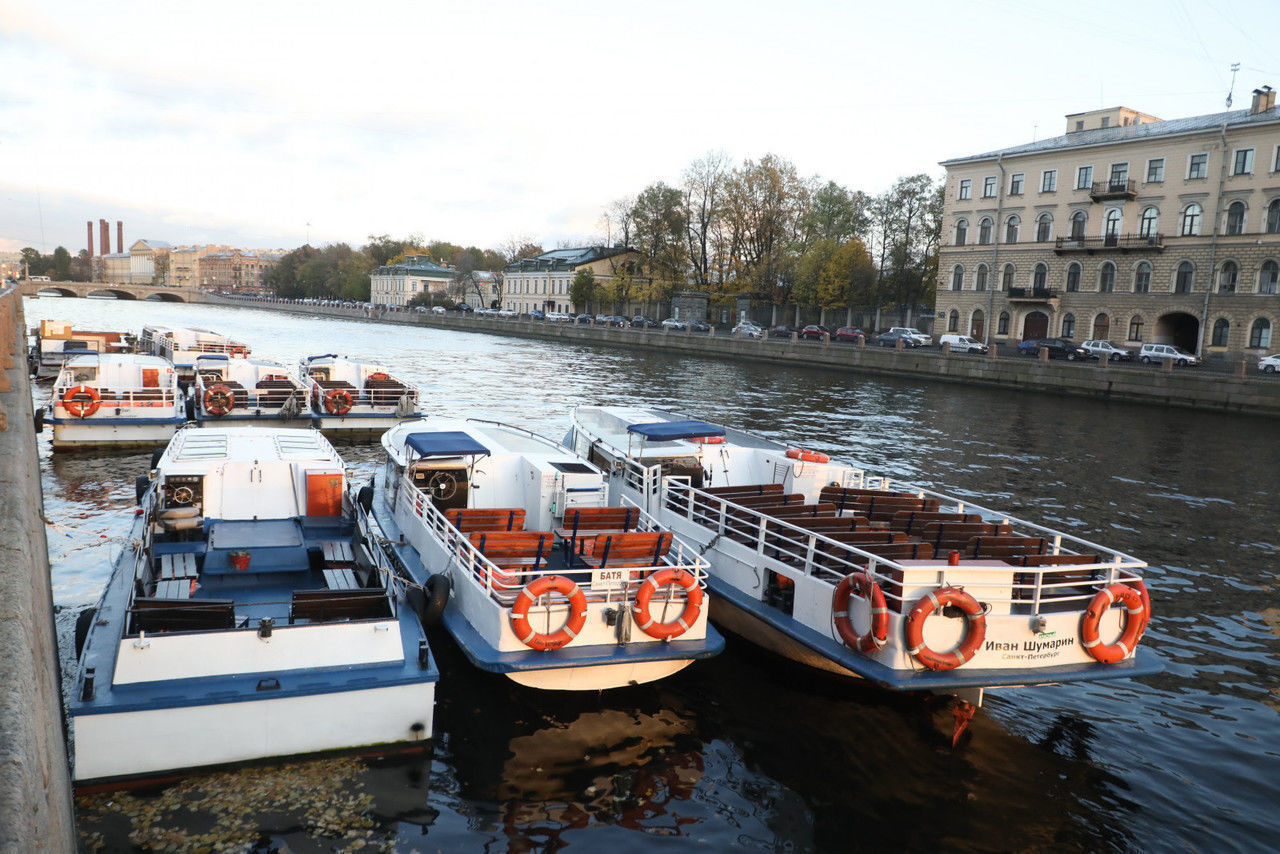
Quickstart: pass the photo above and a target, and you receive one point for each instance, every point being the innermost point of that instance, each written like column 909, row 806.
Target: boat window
column 83, row 375
column 571, row 467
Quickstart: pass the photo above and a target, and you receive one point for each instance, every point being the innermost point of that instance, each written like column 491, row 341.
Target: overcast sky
column 263, row 123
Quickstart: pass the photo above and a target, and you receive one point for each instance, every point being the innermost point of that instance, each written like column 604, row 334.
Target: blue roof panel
column 668, row 430
column 446, row 443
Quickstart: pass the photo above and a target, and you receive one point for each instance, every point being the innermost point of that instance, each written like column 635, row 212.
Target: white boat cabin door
column 258, row 491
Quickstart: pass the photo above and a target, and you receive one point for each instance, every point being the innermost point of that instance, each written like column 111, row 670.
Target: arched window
column 1273, row 217
column 1006, row 281
column 1068, row 325
column 1183, row 281
column 1107, row 278
column 980, row 281
column 1227, row 277
column 1044, row 223
column 1142, row 278
column 984, row 231
column 1111, row 230
column 1011, row 229
column 1078, row 221
column 1039, row 276
column 1102, row 327
column 1002, row 328
column 957, row 278
column 1221, row 329
column 953, row 321
column 1150, row 221
column 962, row 231
column 1191, row 220
column 977, row 324
column 1269, row 277
column 1235, row 218
column 1260, row 334
column 1073, row 277
column 1135, row 328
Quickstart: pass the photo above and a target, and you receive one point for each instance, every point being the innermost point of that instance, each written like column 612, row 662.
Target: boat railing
column 256, row 398
column 122, row 396
column 364, row 397
column 789, row 547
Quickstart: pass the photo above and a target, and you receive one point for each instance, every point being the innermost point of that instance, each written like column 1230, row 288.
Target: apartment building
column 234, row 270
column 543, row 282
column 1127, row 228
column 396, row 284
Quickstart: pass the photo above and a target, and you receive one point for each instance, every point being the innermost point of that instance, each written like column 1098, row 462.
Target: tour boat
column 530, row 572
column 862, row 575
column 114, row 401
column 236, row 391
column 55, row 339
column 349, row 396
column 245, row 619
column 181, row 346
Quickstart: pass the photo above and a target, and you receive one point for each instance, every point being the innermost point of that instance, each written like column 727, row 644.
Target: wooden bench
column 832, row 524
column 945, row 536
column 582, row 524
column 514, row 548
column 1003, row 547
column 340, row 578
column 842, row 496
column 384, row 392
column 321, row 606
column 827, row 554
column 273, row 393
column 883, row 509
column 750, row 489
column 802, row 511
column 182, row 615
column 638, row 548
column 175, row 566
column 911, row 521
column 469, row 519
column 1076, row 578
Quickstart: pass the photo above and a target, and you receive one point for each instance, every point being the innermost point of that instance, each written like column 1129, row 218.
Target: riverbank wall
column 36, row 811
column 1185, row 388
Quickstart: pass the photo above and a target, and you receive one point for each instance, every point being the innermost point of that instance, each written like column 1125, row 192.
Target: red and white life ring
column 1137, row 605
column 337, row 401
column 640, row 609
column 860, row 584
column 81, row 401
column 807, row 456
column 219, row 399
column 524, row 601
column 378, row 375
column 708, row 440
column 975, row 628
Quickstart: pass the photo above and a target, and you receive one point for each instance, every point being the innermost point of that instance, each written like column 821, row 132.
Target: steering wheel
column 443, row 485
column 183, row 495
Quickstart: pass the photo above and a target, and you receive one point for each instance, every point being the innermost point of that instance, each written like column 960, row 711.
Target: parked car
column 1098, row 348
column 537, row 314
column 921, row 338
column 642, row 322
column 699, row 326
column 1159, row 352
column 465, row 309
column 849, row 333
column 674, row 325
column 506, row 312
column 1269, row 364
column 892, row 337
column 814, row 332
column 618, row 321
column 557, row 317
column 780, row 332
column 962, row 343
column 747, row 330
column 584, row 320
column 437, row 309
column 1059, row 348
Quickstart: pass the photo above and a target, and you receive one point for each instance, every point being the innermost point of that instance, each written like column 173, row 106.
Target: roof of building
column 565, row 259
column 153, row 244
column 416, row 265
column 1129, row 133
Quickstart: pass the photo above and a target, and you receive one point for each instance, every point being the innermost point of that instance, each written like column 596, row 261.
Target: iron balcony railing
column 1032, row 293
column 1110, row 242
column 1113, row 189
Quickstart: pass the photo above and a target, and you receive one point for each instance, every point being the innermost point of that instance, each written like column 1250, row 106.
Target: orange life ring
column 337, row 401
column 807, row 456
column 524, row 601
column 1137, row 613
column 975, row 629
column 708, row 440
column 651, row 585
column 74, row 401
column 864, row 587
column 219, row 399
column 379, row 375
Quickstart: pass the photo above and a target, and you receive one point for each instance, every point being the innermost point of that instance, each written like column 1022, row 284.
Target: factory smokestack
column 119, row 236
column 104, row 236
column 89, row 228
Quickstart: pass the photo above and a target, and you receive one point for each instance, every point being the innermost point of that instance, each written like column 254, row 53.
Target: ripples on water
column 745, row 751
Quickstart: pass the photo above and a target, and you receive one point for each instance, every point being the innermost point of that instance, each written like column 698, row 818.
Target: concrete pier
column 36, row 811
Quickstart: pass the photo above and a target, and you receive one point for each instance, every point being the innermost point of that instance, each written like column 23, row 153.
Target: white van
column 1159, row 352
column 962, row 343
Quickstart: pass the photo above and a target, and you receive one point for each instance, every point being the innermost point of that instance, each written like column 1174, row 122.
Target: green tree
column 36, row 264
column 660, row 225
column 61, row 265
column 835, row 213
column 810, row 270
column 583, row 290
column 849, row 277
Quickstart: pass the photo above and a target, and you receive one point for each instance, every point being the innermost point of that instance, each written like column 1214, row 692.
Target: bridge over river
column 32, row 287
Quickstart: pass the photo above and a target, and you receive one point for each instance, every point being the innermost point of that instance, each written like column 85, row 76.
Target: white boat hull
column 87, row 434
column 598, row 677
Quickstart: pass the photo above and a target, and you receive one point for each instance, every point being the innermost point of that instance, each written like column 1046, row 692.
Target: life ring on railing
column 708, row 440
column 337, row 401
column 81, row 401
column 864, row 587
column 654, row 583
column 1137, row 606
column 807, row 456
column 524, row 601
column 379, row 375
column 219, row 399
column 975, row 629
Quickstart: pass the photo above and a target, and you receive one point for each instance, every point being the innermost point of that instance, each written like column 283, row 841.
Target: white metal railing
column 253, row 398
column 121, row 396
column 362, row 397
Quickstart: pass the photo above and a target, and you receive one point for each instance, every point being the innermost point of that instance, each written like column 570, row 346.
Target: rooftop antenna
column 1235, row 66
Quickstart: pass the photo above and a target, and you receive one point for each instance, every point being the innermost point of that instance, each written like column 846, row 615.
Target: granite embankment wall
column 36, row 812
column 1245, row 392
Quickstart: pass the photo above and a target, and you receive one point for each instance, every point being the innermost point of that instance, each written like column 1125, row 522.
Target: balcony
column 1103, row 190
column 1110, row 243
column 1033, row 295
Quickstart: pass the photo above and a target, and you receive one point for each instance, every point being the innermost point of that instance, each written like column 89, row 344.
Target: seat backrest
column 468, row 519
column 601, row 518
column 637, row 545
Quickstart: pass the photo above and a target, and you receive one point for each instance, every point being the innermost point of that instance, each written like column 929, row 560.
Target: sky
column 272, row 124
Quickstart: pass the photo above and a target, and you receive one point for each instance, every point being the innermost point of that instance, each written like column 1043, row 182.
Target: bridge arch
column 54, row 291
column 114, row 293
column 163, row 297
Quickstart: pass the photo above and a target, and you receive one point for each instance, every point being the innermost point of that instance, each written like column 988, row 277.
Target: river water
column 745, row 750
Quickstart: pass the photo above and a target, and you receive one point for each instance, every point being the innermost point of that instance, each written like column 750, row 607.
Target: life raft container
column 1137, row 605
column 860, row 584
column 975, row 628
column 378, row 376
column 529, row 594
column 337, row 401
column 219, row 399
column 806, row 456
column 81, row 401
column 640, row 609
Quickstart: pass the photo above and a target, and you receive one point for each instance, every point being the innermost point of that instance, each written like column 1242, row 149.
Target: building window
column 1084, row 178
column 1107, row 278
column 1011, row 229
column 1142, row 278
column 1039, row 276
column 1119, row 174
column 957, row 278
column 1102, row 327
column 1135, row 328
column 1275, row 165
column 966, row 189
column 1244, row 162
column 1269, row 277
column 1260, row 334
column 977, row 324
column 1079, row 124
column 1002, row 326
column 1198, row 166
column 1078, row 220
column 1191, row 220
column 953, row 321
column 1068, row 326
column 962, row 231
column 1106, row 122
column 1007, row 279
column 1155, row 170
column 1273, row 217
column 980, row 281
column 984, row 231
column 989, row 188
column 1073, row 277
column 1111, row 230
column 1221, row 329
column 1186, row 275
column 1150, row 221
column 1015, row 185
column 1235, row 218
column 1043, row 224
column 1049, row 180
column 1227, row 277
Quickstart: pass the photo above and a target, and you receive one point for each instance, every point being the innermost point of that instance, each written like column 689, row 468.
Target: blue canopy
column 79, row 352
column 449, row 443
column 309, row 359
column 222, row 357
column 665, row 430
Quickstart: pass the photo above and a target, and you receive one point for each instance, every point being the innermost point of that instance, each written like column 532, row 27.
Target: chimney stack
column 1263, row 100
column 119, row 235
column 89, row 228
column 104, row 235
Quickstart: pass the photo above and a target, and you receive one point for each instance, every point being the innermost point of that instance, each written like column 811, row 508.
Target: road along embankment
column 36, row 812
column 1188, row 388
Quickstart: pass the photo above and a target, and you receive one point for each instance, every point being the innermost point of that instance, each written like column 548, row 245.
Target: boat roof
column 250, row 444
column 456, row 437
column 667, row 430
column 446, row 443
column 662, row 434
column 90, row 358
